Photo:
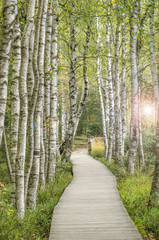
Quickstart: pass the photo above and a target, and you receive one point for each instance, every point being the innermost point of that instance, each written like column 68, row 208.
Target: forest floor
column 90, row 207
column 36, row 223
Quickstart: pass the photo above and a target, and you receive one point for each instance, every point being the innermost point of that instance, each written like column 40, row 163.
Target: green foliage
column 5, row 207
column 91, row 122
column 135, row 194
column 4, row 175
column 152, row 221
column 36, row 224
column 94, row 129
column 98, row 148
column 98, row 152
column 149, row 145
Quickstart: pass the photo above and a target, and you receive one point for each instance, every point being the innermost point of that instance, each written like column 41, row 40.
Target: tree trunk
column 111, row 93
column 140, row 147
column 30, row 77
column 42, row 156
column 15, row 100
column 100, row 92
column 31, row 124
column 53, row 124
column 21, row 150
column 7, row 157
column 34, row 176
column 72, row 91
column 85, row 77
column 47, row 82
column 106, row 101
column 63, row 115
column 123, row 90
column 9, row 18
column 134, row 89
column 117, row 97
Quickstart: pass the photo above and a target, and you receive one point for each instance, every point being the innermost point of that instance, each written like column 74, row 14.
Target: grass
column 98, row 148
column 135, row 194
column 36, row 224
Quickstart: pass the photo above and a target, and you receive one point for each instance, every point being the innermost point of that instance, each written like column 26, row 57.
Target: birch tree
column 100, row 91
column 53, row 121
column 21, row 149
column 85, row 77
column 134, row 88
column 9, row 18
column 76, row 109
column 111, row 92
column 31, row 125
column 139, row 47
column 63, row 115
column 34, row 176
column 47, row 81
column 117, row 96
column 140, row 146
column 42, row 154
column 72, row 90
column 15, row 101
column 123, row 89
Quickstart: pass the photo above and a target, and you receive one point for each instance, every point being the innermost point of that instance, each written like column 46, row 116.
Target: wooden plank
column 81, row 138
column 80, row 143
column 90, row 207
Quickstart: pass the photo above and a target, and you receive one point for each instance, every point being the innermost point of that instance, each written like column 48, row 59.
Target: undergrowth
column 98, row 148
column 36, row 224
column 135, row 194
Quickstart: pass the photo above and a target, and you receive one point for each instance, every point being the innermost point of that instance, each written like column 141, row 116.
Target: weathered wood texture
column 90, row 207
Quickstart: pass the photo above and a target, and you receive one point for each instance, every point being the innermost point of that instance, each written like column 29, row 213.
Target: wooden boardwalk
column 90, row 208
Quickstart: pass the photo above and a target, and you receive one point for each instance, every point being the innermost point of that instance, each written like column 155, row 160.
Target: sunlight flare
column 148, row 110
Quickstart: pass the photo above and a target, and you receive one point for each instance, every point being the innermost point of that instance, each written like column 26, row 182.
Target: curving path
column 90, row 208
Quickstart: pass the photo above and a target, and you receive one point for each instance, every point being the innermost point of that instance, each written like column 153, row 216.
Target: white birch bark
column 31, row 124
column 111, row 93
column 106, row 101
column 134, row 89
column 53, row 123
column 123, row 90
column 42, row 155
column 47, row 81
column 7, row 157
column 100, row 91
column 21, row 150
column 63, row 115
column 140, row 146
column 15, row 100
column 30, row 77
column 72, row 90
column 117, row 97
column 34, row 175
column 139, row 46
column 31, row 107
column 9, row 17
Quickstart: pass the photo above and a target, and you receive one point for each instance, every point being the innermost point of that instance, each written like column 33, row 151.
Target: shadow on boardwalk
column 90, row 207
